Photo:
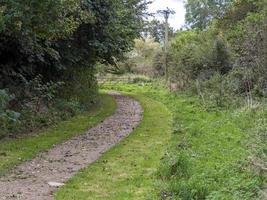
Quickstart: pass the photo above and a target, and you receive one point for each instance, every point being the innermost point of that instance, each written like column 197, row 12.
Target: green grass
column 15, row 151
column 211, row 151
column 209, row 156
column 127, row 170
column 208, row 153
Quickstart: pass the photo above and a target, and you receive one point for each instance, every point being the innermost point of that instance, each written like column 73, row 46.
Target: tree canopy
column 199, row 13
column 47, row 36
column 156, row 30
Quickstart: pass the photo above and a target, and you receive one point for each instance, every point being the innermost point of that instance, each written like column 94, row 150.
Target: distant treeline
column 220, row 53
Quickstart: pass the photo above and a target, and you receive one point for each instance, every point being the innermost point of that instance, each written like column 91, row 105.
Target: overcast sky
column 177, row 20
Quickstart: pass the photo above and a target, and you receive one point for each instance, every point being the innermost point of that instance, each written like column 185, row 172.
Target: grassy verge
column 213, row 153
column 126, row 171
column 13, row 152
column 210, row 155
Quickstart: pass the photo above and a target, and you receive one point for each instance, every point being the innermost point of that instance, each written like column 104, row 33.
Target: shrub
column 81, row 86
column 8, row 118
column 71, row 107
column 195, row 55
column 38, row 94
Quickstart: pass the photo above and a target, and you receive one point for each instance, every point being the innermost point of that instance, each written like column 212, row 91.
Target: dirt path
column 39, row 178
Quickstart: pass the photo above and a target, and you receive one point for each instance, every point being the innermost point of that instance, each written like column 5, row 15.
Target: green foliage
column 244, row 27
column 156, row 30
column 227, row 59
column 175, row 166
column 70, row 107
column 43, row 43
column 218, row 148
column 199, row 13
column 198, row 56
column 81, row 86
column 158, row 64
column 51, row 21
column 140, row 59
column 43, row 104
column 30, row 31
column 4, row 99
column 46, row 37
column 37, row 93
column 239, row 11
column 8, row 118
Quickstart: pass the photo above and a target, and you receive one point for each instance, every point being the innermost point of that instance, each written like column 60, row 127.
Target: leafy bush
column 8, row 118
column 31, row 121
column 199, row 55
column 63, row 34
column 81, row 86
column 37, row 93
column 40, row 106
column 71, row 107
column 226, row 60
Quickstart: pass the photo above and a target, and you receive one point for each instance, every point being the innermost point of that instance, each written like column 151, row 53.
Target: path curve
column 32, row 180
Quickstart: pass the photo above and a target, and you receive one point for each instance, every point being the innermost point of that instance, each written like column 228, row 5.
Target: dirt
column 39, row 178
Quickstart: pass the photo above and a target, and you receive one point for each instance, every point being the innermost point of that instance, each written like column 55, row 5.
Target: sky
column 177, row 20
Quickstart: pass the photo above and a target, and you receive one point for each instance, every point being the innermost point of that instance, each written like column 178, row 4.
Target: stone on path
column 55, row 184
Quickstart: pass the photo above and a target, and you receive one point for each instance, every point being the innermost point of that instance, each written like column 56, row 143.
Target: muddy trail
column 39, row 178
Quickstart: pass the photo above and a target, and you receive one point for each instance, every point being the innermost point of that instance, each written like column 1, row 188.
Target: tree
column 48, row 36
column 41, row 19
column 199, row 13
column 29, row 31
column 156, row 30
column 239, row 11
